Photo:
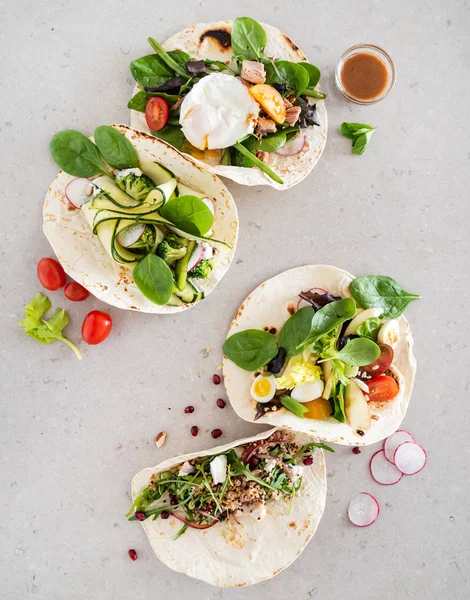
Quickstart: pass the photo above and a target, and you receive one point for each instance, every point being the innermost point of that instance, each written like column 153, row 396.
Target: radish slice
column 363, row 510
column 301, row 303
column 195, row 257
column 78, row 191
column 210, row 205
column 383, row 471
column 295, row 146
column 410, row 458
column 130, row 235
column 395, row 440
column 207, row 251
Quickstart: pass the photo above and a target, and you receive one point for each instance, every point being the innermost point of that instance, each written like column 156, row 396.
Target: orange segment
column 318, row 409
column 270, row 101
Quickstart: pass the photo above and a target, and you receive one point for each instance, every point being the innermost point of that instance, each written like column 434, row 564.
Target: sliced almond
column 160, row 439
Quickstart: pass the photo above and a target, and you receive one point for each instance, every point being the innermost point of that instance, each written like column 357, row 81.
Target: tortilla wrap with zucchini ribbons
column 232, row 554
column 83, row 256
column 212, row 41
column 270, row 305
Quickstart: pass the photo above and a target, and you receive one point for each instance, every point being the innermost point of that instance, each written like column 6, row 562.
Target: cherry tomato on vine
column 96, row 327
column 51, row 274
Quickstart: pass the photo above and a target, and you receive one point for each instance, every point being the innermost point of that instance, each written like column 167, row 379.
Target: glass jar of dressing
column 365, row 74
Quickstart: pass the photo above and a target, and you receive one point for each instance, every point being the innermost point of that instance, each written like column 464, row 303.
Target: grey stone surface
column 73, row 434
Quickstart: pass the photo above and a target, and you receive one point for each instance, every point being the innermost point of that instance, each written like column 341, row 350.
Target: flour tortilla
column 86, row 261
column 293, row 169
column 268, row 306
column 236, row 555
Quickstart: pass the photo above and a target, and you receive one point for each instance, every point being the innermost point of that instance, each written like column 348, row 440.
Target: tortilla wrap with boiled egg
column 84, row 258
column 270, row 305
column 212, row 40
column 232, row 554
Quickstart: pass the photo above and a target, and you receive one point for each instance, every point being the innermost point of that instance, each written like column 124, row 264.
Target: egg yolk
column 262, row 387
column 318, row 409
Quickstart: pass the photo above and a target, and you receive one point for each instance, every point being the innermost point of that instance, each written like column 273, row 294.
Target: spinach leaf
column 251, row 349
column 329, row 317
column 180, row 57
column 296, row 330
column 173, row 59
column 382, row 292
column 337, row 399
column 359, row 133
column 370, row 328
column 248, row 38
column 272, row 142
column 139, row 101
column 188, row 213
column 150, row 71
column 259, row 163
column 296, row 407
column 244, row 160
column 291, row 74
column 76, row 154
column 313, row 74
column 172, row 135
column 218, row 65
column 358, row 352
column 154, row 279
column 115, row 148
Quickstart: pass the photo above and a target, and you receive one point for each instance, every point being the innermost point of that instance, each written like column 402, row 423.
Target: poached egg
column 217, row 112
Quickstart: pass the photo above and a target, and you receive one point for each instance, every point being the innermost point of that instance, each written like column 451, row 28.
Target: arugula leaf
column 188, row 213
column 248, row 38
column 251, row 349
column 76, row 154
column 150, row 71
column 238, row 468
column 46, row 331
column 296, row 330
column 328, row 318
column 359, row 133
column 370, row 328
column 295, row 407
column 382, row 292
column 139, row 101
column 115, row 148
column 358, row 352
column 154, row 279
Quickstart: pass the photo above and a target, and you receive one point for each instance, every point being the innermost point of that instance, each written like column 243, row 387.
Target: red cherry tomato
column 156, row 113
column 382, row 388
column 51, row 274
column 382, row 363
column 75, row 292
column 96, row 327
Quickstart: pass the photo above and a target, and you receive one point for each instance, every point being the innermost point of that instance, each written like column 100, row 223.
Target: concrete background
column 73, row 434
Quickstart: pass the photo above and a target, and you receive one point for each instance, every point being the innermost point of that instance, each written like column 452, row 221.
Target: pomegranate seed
column 194, row 430
column 221, row 403
column 216, row 433
column 164, row 514
column 356, row 450
column 189, row 409
column 254, row 462
column 140, row 516
column 308, row 460
column 132, row 554
column 216, row 379
column 173, row 500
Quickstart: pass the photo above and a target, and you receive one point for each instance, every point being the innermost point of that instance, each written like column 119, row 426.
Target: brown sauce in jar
column 364, row 76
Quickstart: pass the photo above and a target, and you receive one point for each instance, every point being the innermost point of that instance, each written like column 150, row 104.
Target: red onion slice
column 194, row 525
column 293, row 146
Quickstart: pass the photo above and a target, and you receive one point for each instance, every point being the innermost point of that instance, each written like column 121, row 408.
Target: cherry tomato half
column 96, row 327
column 382, row 388
column 75, row 292
column 156, row 113
column 51, row 274
column 382, row 363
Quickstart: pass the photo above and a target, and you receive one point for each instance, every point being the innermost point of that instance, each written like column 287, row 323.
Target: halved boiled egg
column 305, row 392
column 389, row 333
column 263, row 388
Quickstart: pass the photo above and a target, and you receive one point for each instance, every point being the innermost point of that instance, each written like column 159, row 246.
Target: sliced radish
column 383, row 471
column 301, row 303
column 79, row 190
column 210, row 205
column 410, row 458
column 395, row 440
column 195, row 257
column 130, row 235
column 363, row 510
column 295, row 146
column 207, row 251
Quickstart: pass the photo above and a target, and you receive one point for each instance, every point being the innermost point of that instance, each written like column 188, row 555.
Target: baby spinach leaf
column 251, row 349
column 358, row 352
column 139, row 101
column 272, row 142
column 150, row 71
column 76, row 154
column 329, row 317
column 173, row 59
column 172, row 135
column 180, row 57
column 296, row 330
column 244, row 160
column 370, row 328
column 291, row 74
column 248, row 38
column 313, row 74
column 381, row 292
column 188, row 213
column 259, row 163
column 337, row 399
column 154, row 279
column 115, row 148
column 296, row 407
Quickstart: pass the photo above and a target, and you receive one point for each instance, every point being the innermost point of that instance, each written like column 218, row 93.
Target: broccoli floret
column 201, row 270
column 134, row 183
column 146, row 241
column 172, row 248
